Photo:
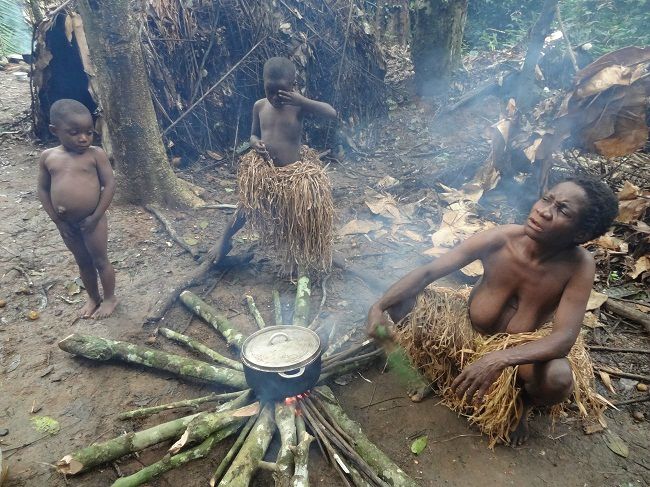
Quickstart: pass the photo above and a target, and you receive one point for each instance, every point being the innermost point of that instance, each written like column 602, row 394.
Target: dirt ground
column 37, row 274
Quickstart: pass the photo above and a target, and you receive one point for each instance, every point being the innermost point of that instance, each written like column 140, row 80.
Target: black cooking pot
column 281, row 361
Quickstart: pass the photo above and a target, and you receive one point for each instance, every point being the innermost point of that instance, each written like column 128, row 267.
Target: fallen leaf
column 610, row 242
column 46, row 425
column 387, row 182
column 214, row 155
column 629, row 191
column 475, row 269
column 73, row 288
column 203, row 225
column 616, row 444
column 596, row 300
column 607, row 380
column 190, row 240
column 591, row 321
column 3, row 303
column 354, row 227
column 592, row 427
column 14, row 364
column 413, row 235
column 419, row 444
column 33, row 315
column 640, row 266
column 385, row 206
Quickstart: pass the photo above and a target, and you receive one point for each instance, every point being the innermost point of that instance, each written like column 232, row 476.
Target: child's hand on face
column 259, row 146
column 291, row 98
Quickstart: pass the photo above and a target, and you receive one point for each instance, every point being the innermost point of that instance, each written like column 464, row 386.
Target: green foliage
column 607, row 24
column 14, row 31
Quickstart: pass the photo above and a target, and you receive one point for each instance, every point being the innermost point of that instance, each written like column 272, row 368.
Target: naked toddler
column 76, row 186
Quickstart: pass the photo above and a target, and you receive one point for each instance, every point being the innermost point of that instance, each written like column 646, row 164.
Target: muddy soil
column 38, row 274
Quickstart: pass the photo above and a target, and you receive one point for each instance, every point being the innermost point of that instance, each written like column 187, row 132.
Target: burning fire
column 295, row 399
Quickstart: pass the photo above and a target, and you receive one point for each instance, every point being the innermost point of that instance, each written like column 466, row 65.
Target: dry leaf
column 591, row 321
column 596, row 300
column 616, row 444
column 355, row 227
column 413, row 235
column 640, row 266
column 475, row 269
column 629, row 191
column 385, row 206
column 610, row 242
column 607, row 380
column 214, row 155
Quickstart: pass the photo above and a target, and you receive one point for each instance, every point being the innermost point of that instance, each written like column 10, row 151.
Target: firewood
column 257, row 316
column 380, row 463
column 285, row 419
column 102, row 349
column 252, row 451
column 208, row 422
column 301, row 455
column 234, row 449
column 301, row 306
column 277, row 305
column 628, row 313
column 170, row 462
column 170, row 230
column 143, row 412
column 199, row 307
column 199, row 347
column 99, row 453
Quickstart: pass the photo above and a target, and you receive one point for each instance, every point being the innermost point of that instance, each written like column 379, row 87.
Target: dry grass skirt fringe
column 440, row 340
column 291, row 208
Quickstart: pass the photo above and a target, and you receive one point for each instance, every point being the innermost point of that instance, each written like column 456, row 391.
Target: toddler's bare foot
column 88, row 309
column 106, row 308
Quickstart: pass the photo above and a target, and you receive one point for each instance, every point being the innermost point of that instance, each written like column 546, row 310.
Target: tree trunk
column 438, row 27
column 392, row 21
column 131, row 136
column 525, row 95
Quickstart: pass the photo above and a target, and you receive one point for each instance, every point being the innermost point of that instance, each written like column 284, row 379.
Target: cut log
column 97, row 348
column 285, row 419
column 277, row 305
column 629, row 313
column 170, row 462
column 378, row 461
column 301, row 306
column 225, row 463
column 200, row 308
column 301, row 455
column 208, row 422
column 194, row 279
column 171, row 232
column 252, row 451
column 99, row 453
column 199, row 347
column 193, row 403
column 257, row 316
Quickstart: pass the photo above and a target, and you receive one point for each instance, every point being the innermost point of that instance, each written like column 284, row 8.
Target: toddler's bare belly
column 74, row 202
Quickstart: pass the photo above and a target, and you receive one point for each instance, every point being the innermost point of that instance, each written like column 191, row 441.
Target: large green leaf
column 15, row 34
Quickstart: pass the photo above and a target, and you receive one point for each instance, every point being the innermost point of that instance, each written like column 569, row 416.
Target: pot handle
column 275, row 335
column 301, row 371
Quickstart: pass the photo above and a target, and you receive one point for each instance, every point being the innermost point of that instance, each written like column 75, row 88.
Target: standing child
column 284, row 191
column 75, row 186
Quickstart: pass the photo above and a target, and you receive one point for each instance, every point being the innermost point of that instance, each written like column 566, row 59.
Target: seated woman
column 493, row 353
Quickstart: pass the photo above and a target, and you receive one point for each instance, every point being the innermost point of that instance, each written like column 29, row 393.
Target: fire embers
column 294, row 400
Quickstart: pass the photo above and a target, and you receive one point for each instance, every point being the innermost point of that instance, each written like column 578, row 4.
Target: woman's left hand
column 475, row 379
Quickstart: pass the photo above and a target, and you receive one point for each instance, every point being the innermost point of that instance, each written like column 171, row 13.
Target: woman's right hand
column 378, row 325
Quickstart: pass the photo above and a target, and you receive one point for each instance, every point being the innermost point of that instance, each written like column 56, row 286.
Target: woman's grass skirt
column 440, row 340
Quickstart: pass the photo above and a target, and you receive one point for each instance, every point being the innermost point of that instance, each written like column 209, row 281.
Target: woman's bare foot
column 418, row 392
column 88, row 308
column 521, row 433
column 106, row 308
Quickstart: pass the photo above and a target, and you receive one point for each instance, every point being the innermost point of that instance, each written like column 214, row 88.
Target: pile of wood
column 299, row 420
column 205, row 65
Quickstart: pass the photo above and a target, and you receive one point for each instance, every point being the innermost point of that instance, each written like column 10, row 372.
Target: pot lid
column 280, row 348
